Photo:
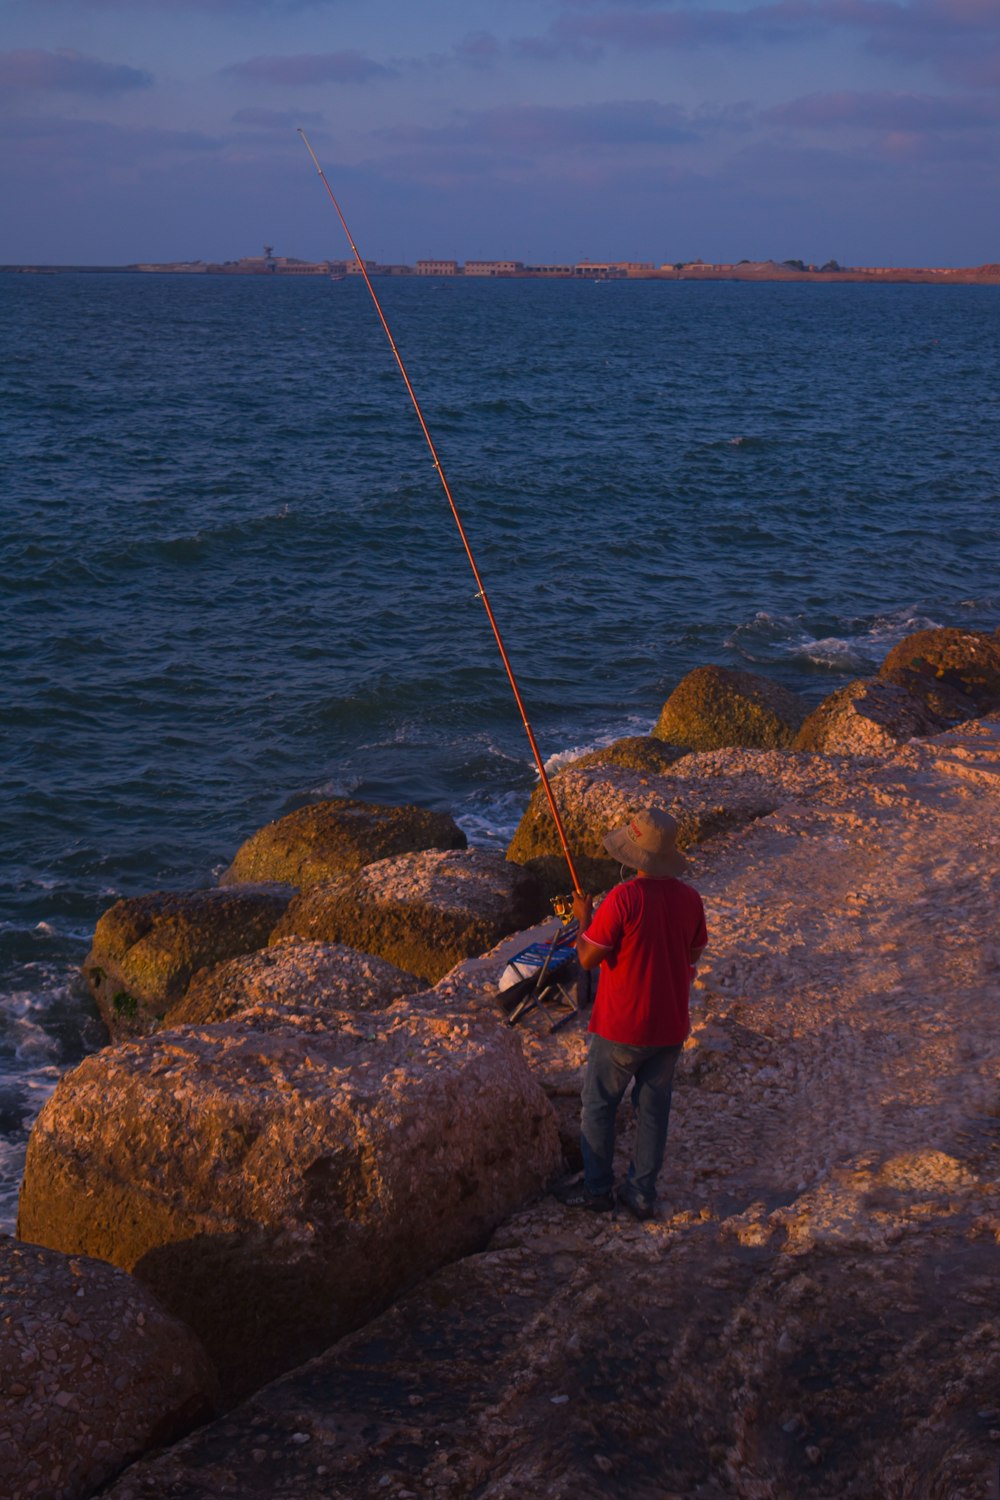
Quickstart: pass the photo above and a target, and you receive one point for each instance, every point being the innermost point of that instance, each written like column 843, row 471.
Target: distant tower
column 269, row 258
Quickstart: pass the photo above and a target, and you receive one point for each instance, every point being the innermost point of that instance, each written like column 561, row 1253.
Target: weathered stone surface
column 338, row 837
column 812, row 1313
column 604, row 1361
column 277, row 1183
column 93, row 1373
column 967, row 660
column 943, row 701
column 867, row 717
column 705, row 792
column 714, row 707
column 146, row 949
column 637, row 752
column 423, row 912
column 307, row 976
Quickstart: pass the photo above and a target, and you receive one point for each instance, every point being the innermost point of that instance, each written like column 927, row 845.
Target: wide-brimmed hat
column 648, row 842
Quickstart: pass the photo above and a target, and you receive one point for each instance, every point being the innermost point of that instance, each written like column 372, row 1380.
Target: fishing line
column 481, row 587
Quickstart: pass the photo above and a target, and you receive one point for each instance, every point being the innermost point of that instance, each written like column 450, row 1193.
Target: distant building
column 437, row 268
column 493, row 267
column 548, row 270
column 353, row 267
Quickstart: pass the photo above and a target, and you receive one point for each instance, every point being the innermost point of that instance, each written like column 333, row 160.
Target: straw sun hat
column 648, row 842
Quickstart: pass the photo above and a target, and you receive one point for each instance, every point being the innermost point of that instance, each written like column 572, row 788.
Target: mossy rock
column 337, row 837
column 939, row 697
column 423, row 912
column 146, row 949
column 965, row 660
column 637, row 752
column 713, row 708
column 867, row 717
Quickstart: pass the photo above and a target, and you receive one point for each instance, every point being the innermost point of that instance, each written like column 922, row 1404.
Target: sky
column 866, row 131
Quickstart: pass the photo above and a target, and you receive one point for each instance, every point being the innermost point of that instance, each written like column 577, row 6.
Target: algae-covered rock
column 277, row 1184
column 328, row 839
column 714, row 707
column 316, row 976
column 423, row 912
column 867, row 717
column 93, row 1373
column 637, row 752
column 940, row 698
column 146, row 949
column 967, row 660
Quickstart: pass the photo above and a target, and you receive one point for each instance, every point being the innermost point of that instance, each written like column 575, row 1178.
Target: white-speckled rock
column 293, row 974
column 93, row 1373
column 278, row 1179
column 422, row 911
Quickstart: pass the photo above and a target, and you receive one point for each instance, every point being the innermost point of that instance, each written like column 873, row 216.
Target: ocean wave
column 854, row 645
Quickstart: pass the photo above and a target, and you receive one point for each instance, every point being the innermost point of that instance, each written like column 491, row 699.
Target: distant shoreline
column 749, row 271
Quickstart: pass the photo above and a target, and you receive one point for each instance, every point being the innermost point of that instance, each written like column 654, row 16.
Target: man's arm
column 589, row 954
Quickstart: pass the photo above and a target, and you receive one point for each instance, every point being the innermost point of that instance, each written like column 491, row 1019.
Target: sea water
column 230, row 581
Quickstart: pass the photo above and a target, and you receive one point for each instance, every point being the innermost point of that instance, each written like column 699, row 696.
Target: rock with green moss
column 423, row 912
column 292, row 975
column 637, row 752
column 713, row 708
column 965, row 660
column 942, row 700
column 867, row 717
column 327, row 839
column 147, row 949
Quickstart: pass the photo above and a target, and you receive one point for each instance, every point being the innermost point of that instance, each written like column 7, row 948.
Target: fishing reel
column 563, row 908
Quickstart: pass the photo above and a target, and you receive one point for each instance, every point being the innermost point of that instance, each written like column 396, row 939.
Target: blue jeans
column 611, row 1066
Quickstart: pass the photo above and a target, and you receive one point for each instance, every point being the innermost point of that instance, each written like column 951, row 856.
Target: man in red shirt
column 647, row 935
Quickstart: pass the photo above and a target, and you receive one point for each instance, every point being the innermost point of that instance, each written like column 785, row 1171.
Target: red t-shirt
column 649, row 927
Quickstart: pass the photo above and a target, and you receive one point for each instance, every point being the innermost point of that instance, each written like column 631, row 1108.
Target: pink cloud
column 309, row 68
column 67, row 72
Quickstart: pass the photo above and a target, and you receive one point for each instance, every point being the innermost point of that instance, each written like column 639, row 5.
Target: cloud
column 480, row 49
column 884, row 111
column 276, row 119
column 67, row 72
column 538, row 130
column 950, row 34
column 309, row 68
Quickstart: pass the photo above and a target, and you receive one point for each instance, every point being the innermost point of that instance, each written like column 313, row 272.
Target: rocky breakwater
column 424, row 912
column 93, row 1372
column 813, row 1311
column 147, row 950
column 279, row 1178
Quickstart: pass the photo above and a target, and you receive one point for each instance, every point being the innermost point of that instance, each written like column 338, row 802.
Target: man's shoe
column 578, row 1195
column 640, row 1208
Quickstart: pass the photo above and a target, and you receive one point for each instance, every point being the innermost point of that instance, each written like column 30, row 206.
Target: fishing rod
column 458, row 522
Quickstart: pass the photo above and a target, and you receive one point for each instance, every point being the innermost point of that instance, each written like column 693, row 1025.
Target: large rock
column 93, row 1373
column 327, row 839
column 310, row 976
column 968, row 660
column 942, row 700
column 637, row 752
column 423, row 912
column 276, row 1184
column 714, row 707
column 707, row 793
column 146, row 949
column 867, row 717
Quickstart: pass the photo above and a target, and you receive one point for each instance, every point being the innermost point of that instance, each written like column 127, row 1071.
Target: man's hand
column 583, row 909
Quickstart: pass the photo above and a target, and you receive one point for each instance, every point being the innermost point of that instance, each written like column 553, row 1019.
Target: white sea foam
column 859, row 646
